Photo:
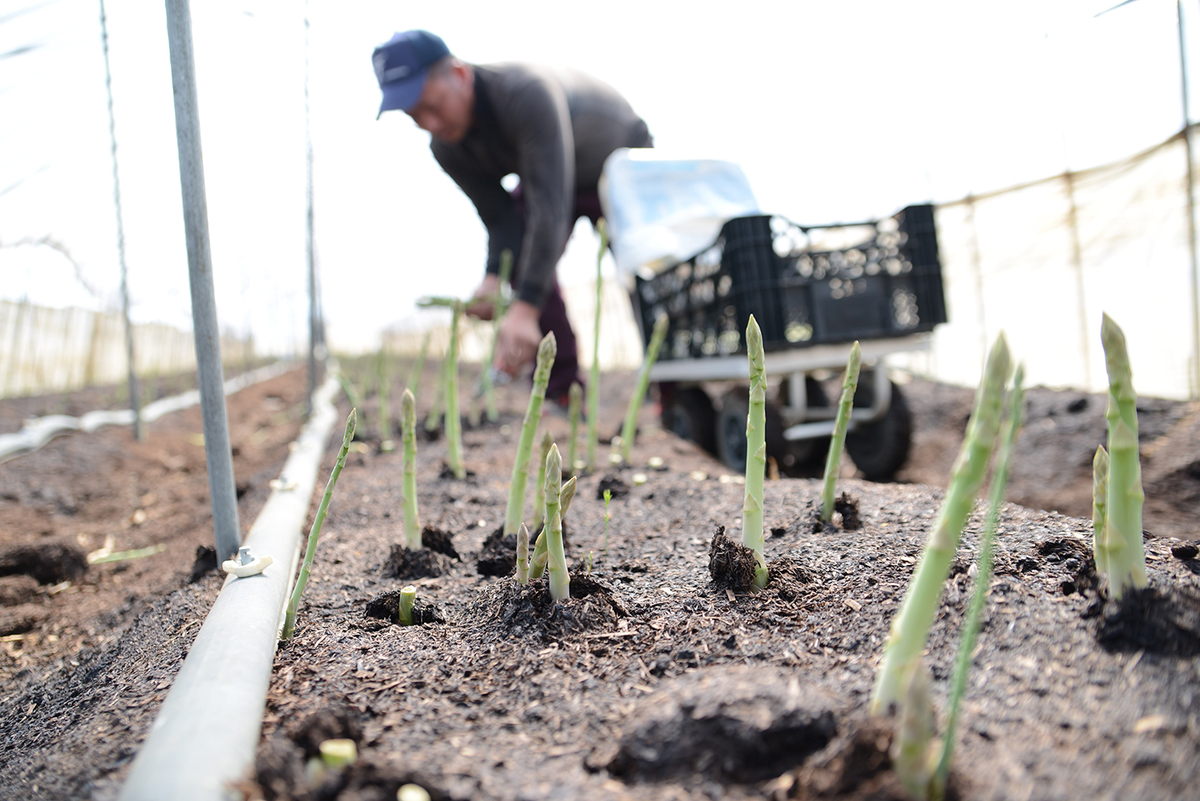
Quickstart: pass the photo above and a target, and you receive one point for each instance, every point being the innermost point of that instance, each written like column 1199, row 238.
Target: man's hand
column 483, row 302
column 519, row 337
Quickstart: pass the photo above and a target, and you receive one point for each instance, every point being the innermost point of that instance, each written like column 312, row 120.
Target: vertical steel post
column 1194, row 376
column 204, row 310
column 313, row 333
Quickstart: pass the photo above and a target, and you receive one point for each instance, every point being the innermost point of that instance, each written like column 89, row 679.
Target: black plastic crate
column 881, row 279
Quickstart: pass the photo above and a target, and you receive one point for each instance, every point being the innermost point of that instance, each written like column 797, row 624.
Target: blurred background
column 1049, row 133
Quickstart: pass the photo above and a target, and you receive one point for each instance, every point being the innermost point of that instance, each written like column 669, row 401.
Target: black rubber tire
column 730, row 429
column 880, row 449
column 689, row 415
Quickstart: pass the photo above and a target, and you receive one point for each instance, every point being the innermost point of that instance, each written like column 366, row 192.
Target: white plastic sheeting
column 39, row 431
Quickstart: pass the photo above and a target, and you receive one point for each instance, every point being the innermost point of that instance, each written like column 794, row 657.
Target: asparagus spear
column 533, row 416
column 1125, row 556
column 1100, row 508
column 643, row 383
column 910, row 628
column 575, row 396
column 594, row 376
column 838, row 441
column 560, row 580
column 314, row 534
column 756, row 452
column 408, row 425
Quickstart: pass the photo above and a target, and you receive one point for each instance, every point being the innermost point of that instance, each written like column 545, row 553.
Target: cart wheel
column 731, row 428
column 881, row 448
column 689, row 415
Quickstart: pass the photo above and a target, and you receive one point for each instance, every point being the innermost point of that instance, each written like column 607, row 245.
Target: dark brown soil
column 651, row 682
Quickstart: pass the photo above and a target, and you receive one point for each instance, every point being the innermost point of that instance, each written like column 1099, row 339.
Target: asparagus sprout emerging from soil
column 408, row 427
column 314, row 534
column 500, row 306
column 338, row 753
column 434, row 419
column 523, row 555
column 643, row 383
column 537, row 562
column 593, row 398
column 838, row 441
column 408, row 596
column 533, row 416
column 560, row 580
column 574, row 406
column 983, row 577
column 607, row 517
column 450, row 389
column 915, row 745
column 539, row 488
column 756, row 452
column 1099, row 506
column 910, row 628
column 1124, row 556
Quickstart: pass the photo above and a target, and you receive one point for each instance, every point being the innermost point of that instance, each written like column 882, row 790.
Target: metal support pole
column 134, row 402
column 313, row 333
column 204, row 309
column 1194, row 377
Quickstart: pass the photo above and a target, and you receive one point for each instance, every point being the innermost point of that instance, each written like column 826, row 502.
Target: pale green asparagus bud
column 643, row 383
column 408, row 596
column 567, row 495
column 756, row 452
column 314, row 534
column 408, row 486
column 539, row 488
column 838, row 441
column 560, row 580
column 983, row 576
column 593, row 436
column 538, row 560
column 574, row 406
column 523, row 554
column 338, row 753
column 1100, row 508
column 910, row 628
column 450, row 387
column 515, row 510
column 1126, row 556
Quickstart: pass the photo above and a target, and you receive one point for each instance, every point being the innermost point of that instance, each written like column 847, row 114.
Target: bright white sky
column 836, row 111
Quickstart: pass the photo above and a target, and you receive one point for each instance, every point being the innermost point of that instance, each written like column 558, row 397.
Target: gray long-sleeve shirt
column 554, row 128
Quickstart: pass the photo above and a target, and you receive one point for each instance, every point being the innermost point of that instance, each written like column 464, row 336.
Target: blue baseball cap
column 402, row 64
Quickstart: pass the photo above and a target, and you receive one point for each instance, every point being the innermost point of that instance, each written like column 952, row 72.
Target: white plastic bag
column 661, row 210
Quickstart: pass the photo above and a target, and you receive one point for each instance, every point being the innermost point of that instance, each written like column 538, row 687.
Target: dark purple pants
column 554, row 310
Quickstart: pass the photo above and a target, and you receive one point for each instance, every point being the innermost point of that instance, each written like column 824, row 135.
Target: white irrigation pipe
column 208, row 728
column 37, row 432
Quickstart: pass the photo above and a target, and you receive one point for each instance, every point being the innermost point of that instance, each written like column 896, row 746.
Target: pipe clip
column 246, row 564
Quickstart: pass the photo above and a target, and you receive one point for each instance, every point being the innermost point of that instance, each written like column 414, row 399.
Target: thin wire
column 134, row 405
